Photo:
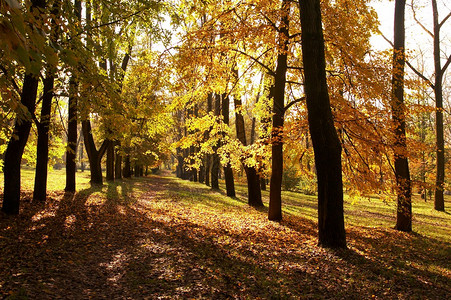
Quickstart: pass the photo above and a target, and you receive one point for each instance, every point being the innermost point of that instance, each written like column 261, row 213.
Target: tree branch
column 270, row 72
column 446, row 64
column 444, row 20
column 293, row 102
column 412, row 67
column 419, row 23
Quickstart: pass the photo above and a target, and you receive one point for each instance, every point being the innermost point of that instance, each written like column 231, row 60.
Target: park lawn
column 162, row 237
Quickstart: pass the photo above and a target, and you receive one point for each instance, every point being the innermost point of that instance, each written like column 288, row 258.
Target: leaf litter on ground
column 162, row 238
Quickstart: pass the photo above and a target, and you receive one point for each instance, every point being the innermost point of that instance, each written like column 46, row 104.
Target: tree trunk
column 110, row 161
column 275, row 192
column 254, row 197
column 439, row 201
column 94, row 155
column 403, row 183
column 42, row 150
column 207, row 169
column 118, row 164
column 71, row 166
column 16, row 146
column 326, row 145
column 215, row 156
column 127, row 170
column 228, row 172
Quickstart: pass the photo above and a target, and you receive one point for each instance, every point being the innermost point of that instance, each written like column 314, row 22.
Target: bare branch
column 444, row 20
column 419, row 23
column 413, row 68
column 446, row 64
column 270, row 72
column 293, row 102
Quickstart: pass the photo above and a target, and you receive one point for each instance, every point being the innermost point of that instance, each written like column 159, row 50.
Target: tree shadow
column 115, row 242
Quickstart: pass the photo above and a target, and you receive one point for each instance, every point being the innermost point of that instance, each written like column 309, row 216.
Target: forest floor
column 159, row 237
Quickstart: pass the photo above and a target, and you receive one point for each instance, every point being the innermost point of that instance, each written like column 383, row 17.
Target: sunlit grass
column 370, row 212
column 56, row 180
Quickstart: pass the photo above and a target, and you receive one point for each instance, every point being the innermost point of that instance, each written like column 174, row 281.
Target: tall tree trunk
column 275, row 192
column 71, row 153
column 110, row 161
column 208, row 158
column 16, row 146
column 326, row 145
column 228, row 172
column 42, row 149
column 403, row 183
column 127, row 170
column 94, row 155
column 439, row 201
column 207, row 169
column 215, row 156
column 254, row 196
column 118, row 163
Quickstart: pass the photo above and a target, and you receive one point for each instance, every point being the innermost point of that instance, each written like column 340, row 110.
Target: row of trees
column 254, row 86
column 255, row 53
column 79, row 52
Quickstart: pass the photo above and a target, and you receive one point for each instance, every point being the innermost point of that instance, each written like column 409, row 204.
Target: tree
column 278, row 95
column 437, row 86
column 71, row 166
column 22, row 123
column 325, row 140
column 403, row 182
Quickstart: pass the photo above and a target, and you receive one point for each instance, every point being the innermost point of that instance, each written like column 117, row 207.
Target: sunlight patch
column 70, row 221
column 42, row 215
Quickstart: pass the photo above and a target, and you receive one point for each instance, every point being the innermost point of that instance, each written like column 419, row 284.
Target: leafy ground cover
column 159, row 237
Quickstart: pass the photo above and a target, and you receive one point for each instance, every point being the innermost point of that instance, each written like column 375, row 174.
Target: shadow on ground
column 143, row 238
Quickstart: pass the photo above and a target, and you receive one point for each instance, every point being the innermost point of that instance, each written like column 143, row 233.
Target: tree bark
column 275, row 190
column 326, row 145
column 403, row 183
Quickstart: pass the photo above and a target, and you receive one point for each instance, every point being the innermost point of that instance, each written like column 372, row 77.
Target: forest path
column 162, row 238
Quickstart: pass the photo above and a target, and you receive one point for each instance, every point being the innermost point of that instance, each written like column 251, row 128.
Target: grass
column 162, row 237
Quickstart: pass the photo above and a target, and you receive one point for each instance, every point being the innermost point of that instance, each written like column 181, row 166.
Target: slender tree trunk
column 127, row 170
column 110, row 161
column 228, row 172
column 207, row 169
column 403, row 183
column 16, row 146
column 215, row 156
column 439, row 201
column 42, row 150
column 254, row 197
column 326, row 145
column 118, row 163
column 71, row 153
column 94, row 155
column 275, row 193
